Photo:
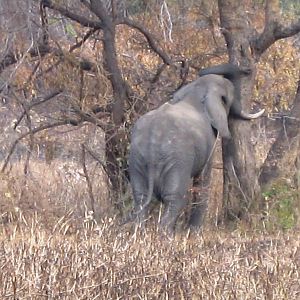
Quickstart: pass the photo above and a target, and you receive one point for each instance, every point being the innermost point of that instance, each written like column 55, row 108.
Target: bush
column 282, row 207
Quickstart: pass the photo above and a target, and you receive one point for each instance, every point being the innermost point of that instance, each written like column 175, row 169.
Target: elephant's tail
column 150, row 186
column 145, row 205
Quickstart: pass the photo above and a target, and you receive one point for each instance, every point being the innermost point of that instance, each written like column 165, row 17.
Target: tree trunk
column 241, row 187
column 115, row 137
column 287, row 144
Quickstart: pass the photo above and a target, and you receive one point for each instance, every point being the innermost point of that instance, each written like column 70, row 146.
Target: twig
column 27, row 107
column 73, row 122
column 95, row 156
column 44, row 21
column 36, row 67
column 169, row 25
column 239, row 183
column 29, row 125
column 71, row 15
column 87, row 178
column 150, row 39
column 84, row 39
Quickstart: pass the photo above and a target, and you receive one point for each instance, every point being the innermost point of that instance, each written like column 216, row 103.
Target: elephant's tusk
column 247, row 116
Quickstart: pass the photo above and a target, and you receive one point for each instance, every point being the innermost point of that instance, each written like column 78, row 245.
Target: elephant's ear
column 217, row 114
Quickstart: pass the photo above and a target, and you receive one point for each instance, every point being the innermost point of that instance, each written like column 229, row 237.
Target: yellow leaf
column 7, row 195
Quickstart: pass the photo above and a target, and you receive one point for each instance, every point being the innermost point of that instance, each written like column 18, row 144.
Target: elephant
column 172, row 144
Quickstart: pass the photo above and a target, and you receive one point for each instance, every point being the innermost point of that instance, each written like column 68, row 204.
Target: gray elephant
column 174, row 143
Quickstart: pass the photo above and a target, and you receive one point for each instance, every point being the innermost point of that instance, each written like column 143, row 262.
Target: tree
column 245, row 47
column 71, row 42
column 287, row 141
column 101, row 18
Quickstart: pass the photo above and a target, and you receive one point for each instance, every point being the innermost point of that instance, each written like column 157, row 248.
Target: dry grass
column 51, row 249
column 105, row 261
column 52, row 190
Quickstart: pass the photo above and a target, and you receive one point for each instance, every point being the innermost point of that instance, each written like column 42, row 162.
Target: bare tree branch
column 44, row 21
column 150, row 39
column 33, row 72
column 70, row 121
column 29, row 126
column 84, row 39
column 90, row 118
column 100, row 11
column 13, row 57
column 273, row 30
column 87, row 178
column 71, row 15
column 40, row 51
column 35, row 102
column 271, row 166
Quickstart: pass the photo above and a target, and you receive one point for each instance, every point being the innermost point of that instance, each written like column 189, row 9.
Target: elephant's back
column 172, row 134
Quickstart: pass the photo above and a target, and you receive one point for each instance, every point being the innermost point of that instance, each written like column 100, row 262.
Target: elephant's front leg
column 200, row 198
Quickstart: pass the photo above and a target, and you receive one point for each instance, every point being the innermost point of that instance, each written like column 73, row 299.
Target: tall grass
column 50, row 249
column 69, row 260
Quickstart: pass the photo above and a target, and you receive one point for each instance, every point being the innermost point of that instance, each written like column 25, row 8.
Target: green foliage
column 137, row 6
column 281, row 207
column 290, row 6
column 70, row 30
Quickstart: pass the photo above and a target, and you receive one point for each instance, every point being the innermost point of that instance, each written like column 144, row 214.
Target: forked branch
column 149, row 37
column 32, row 132
column 71, row 15
column 274, row 30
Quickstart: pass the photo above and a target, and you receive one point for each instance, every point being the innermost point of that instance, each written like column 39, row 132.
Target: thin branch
column 87, row 178
column 71, row 15
column 35, row 69
column 90, row 118
column 73, row 122
column 84, row 39
column 150, row 39
column 36, row 102
column 159, row 71
column 44, row 21
column 49, row 69
column 41, row 50
column 29, row 126
column 81, row 88
column 95, row 157
column 14, row 57
column 273, row 29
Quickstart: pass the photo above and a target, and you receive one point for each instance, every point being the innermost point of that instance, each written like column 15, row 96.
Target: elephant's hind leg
column 174, row 197
column 174, row 206
column 140, row 191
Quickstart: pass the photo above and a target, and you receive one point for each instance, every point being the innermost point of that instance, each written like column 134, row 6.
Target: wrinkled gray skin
column 173, row 143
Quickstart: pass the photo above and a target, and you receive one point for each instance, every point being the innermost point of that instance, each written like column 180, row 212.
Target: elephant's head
column 234, row 74
column 217, row 102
